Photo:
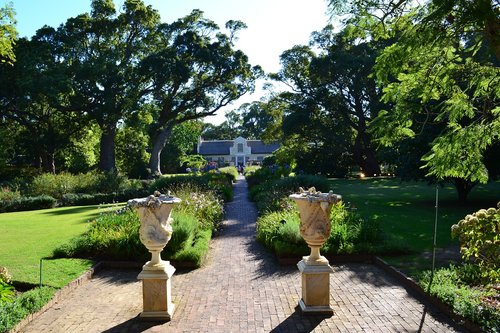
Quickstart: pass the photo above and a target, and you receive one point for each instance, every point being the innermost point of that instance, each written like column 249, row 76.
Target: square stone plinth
column 315, row 288
column 157, row 294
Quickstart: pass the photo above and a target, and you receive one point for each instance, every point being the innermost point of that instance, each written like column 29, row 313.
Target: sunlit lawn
column 406, row 210
column 26, row 237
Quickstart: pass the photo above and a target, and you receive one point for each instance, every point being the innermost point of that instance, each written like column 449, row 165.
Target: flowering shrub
column 6, row 194
column 4, row 275
column 205, row 205
column 479, row 236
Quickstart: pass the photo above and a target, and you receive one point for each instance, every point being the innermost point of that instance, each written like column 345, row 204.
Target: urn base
column 156, row 293
column 315, row 288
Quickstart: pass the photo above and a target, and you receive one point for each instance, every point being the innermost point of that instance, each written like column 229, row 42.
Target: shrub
column 11, row 313
column 479, row 235
column 350, row 233
column 204, row 205
column 111, row 236
column 81, row 199
column 6, row 194
column 273, row 195
column 468, row 301
column 6, row 292
column 231, row 171
column 28, row 203
column 218, row 183
column 60, row 184
column 4, row 275
column 250, row 170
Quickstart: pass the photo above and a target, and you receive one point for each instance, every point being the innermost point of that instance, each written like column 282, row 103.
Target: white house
column 239, row 151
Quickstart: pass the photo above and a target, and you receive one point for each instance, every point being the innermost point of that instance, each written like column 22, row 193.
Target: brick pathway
column 243, row 289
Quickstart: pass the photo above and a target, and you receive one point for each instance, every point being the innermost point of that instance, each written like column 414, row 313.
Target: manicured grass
column 406, row 210
column 26, row 237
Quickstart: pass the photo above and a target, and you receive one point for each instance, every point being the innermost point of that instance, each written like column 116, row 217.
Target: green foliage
column 219, row 183
column 8, row 34
column 466, row 300
column 272, row 195
column 205, row 205
column 479, row 236
column 279, row 231
column 57, row 185
column 7, row 292
column 194, row 162
column 110, row 236
column 27, row 203
column 6, row 194
column 231, row 171
column 181, row 143
column 11, row 313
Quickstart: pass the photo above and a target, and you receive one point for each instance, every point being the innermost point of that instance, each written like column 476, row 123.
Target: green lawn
column 26, row 237
column 406, row 210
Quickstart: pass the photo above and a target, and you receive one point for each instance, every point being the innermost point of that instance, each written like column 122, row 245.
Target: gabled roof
column 221, row 147
column 215, row 147
column 259, row 147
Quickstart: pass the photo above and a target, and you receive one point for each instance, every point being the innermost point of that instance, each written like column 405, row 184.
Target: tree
column 442, row 70
column 8, row 34
column 181, row 143
column 337, row 80
column 102, row 51
column 195, row 71
column 32, row 95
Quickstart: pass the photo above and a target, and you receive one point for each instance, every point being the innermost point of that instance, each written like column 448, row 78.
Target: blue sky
column 273, row 25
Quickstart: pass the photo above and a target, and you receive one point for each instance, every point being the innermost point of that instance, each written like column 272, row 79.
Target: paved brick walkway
column 243, row 289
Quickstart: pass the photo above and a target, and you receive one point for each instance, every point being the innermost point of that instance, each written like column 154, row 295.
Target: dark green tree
column 337, row 80
column 442, row 70
column 102, row 51
column 195, row 71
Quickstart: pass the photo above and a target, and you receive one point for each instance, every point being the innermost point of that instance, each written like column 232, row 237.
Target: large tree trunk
column 364, row 155
column 463, row 187
column 107, row 161
column 48, row 163
column 160, row 141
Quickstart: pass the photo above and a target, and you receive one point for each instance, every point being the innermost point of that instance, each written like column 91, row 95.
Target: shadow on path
column 298, row 322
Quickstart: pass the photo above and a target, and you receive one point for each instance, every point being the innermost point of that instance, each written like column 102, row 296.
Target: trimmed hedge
column 27, row 203
column 82, row 199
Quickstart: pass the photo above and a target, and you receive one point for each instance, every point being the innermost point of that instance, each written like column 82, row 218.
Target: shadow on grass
column 73, row 210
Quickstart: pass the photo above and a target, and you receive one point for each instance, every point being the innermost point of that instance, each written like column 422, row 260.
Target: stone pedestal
column 315, row 288
column 156, row 293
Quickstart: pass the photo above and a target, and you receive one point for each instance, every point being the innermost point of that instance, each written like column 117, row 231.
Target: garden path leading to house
column 242, row 288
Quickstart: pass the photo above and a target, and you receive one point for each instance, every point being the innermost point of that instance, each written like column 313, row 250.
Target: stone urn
column 314, row 209
column 155, row 232
column 156, row 229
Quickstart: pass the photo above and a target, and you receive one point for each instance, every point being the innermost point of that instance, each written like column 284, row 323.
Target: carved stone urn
column 155, row 232
column 315, row 227
column 156, row 229
column 314, row 208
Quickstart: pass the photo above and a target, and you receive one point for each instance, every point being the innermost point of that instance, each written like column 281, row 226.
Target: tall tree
column 102, row 51
column 337, row 79
column 33, row 95
column 441, row 70
column 195, row 72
